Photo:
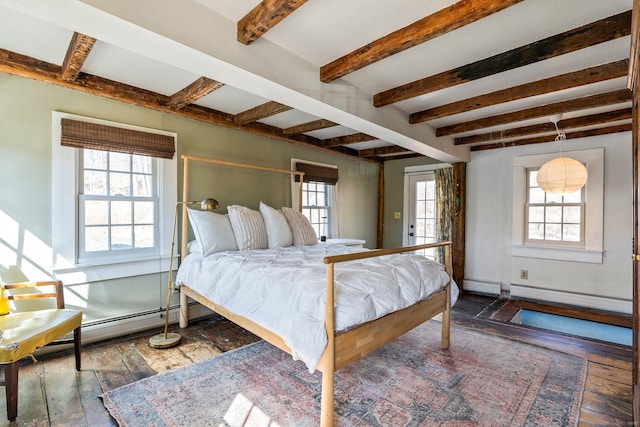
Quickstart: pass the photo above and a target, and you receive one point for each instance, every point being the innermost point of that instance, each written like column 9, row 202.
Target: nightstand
column 347, row 242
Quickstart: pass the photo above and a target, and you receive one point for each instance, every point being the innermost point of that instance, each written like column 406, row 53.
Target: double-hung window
column 118, row 205
column 319, row 195
column 114, row 193
column 553, row 219
column 568, row 228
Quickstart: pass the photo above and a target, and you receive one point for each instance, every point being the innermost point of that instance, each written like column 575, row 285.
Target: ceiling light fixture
column 562, row 175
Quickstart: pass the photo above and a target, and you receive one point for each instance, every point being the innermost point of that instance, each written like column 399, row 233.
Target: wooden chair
column 37, row 318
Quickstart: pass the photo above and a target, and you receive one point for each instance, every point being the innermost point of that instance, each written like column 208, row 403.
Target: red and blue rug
column 482, row 380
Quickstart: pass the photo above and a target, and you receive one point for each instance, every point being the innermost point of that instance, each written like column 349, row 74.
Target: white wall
column 489, row 264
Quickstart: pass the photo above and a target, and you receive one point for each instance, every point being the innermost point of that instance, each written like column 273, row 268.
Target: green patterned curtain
column 444, row 203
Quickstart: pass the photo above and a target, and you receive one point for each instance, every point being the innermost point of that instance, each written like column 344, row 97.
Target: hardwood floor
column 51, row 393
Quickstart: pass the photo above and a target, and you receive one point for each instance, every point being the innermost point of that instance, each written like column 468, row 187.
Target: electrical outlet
column 524, row 274
column 396, row 215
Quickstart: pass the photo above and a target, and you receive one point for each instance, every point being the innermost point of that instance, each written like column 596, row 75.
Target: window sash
column 318, row 214
column 551, row 242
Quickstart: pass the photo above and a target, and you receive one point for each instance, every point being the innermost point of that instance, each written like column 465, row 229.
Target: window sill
column 558, row 254
column 93, row 272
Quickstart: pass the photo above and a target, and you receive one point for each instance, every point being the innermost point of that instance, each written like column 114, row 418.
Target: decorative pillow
column 301, row 228
column 213, row 232
column 278, row 231
column 248, row 227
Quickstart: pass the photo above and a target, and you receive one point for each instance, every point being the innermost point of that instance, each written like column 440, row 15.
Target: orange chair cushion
column 33, row 329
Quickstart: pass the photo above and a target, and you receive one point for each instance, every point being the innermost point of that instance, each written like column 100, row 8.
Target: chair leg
column 11, row 389
column 77, row 341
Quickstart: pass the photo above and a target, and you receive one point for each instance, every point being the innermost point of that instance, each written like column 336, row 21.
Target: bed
column 355, row 300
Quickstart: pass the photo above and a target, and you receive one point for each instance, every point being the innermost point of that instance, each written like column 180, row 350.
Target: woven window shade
column 79, row 134
column 317, row 173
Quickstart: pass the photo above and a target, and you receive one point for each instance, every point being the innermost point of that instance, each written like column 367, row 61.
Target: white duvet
column 283, row 289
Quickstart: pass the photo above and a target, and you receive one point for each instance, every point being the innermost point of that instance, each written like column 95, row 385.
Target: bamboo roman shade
column 80, row 134
column 317, row 173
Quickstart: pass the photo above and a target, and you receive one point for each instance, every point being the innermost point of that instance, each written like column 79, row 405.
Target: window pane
column 120, row 212
column 119, row 162
column 142, row 164
column 553, row 232
column 119, row 184
column 575, row 197
column 121, row 237
column 144, row 236
column 96, row 239
column 142, row 186
column 95, row 183
column 571, row 214
column 143, row 212
column 96, row 212
column 536, row 195
column 571, row 233
column 95, row 159
column 429, row 228
column 536, row 214
column 554, row 214
column 431, row 189
column 553, row 198
column 421, row 190
column 536, row 231
column 533, row 178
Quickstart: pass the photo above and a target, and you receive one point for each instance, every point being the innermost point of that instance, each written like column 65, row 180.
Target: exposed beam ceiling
column 453, row 17
column 265, row 16
column 196, row 90
column 77, row 53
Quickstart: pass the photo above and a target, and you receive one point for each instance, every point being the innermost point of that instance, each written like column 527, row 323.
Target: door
column 422, row 220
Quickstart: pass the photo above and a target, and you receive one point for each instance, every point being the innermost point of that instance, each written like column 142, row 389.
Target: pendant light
column 562, row 175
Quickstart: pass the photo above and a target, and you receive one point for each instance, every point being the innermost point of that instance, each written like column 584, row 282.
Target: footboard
column 344, row 348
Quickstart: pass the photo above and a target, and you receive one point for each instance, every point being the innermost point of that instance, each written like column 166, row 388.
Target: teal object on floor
column 579, row 327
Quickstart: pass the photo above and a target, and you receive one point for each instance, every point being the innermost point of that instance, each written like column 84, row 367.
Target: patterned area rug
column 481, row 380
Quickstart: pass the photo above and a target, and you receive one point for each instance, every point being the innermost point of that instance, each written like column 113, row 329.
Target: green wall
column 25, row 173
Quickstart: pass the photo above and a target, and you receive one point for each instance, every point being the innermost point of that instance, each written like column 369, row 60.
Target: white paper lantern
column 562, row 175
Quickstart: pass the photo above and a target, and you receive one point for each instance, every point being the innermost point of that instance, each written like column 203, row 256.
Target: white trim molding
column 489, row 288
column 617, row 305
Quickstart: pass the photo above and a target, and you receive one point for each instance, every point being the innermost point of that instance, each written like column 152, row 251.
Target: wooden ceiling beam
column 591, row 34
column 593, row 101
column 347, row 139
column 381, row 151
column 575, row 122
column 551, row 138
column 31, row 68
column 445, row 20
column 196, row 90
column 259, row 112
column 309, row 127
column 565, row 81
column 79, row 48
column 266, row 15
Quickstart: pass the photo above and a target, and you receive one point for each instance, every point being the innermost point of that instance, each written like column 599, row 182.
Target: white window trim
column 594, row 215
column 64, row 215
column 295, row 196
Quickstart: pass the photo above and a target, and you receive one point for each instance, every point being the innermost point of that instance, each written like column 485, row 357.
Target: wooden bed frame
column 342, row 347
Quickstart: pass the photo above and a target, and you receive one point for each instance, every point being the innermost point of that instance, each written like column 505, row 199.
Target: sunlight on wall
column 23, row 256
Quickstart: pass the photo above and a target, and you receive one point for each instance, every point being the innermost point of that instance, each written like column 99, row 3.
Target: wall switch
column 524, row 274
column 396, row 215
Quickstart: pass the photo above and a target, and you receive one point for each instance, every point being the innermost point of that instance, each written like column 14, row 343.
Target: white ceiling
column 164, row 45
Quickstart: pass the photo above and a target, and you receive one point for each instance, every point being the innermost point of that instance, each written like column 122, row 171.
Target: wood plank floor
column 51, row 393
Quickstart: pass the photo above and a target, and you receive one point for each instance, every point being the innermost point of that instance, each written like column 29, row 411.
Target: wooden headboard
column 185, row 187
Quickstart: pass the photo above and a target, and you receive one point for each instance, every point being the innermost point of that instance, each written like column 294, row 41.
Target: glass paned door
column 422, row 211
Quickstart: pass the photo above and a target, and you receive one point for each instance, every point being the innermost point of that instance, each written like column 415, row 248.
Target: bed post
column 184, row 303
column 326, row 403
column 446, row 314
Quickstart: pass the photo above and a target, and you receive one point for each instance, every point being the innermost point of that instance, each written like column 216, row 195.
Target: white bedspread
column 283, row 289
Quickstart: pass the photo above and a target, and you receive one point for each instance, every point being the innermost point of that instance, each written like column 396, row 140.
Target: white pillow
column 248, row 227
column 213, row 231
column 301, row 228
column 278, row 231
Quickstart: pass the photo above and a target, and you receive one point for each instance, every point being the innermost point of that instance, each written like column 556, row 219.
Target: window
column 118, row 205
column 568, row 228
column 316, row 205
column 112, row 211
column 423, row 219
column 319, row 195
column 552, row 218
